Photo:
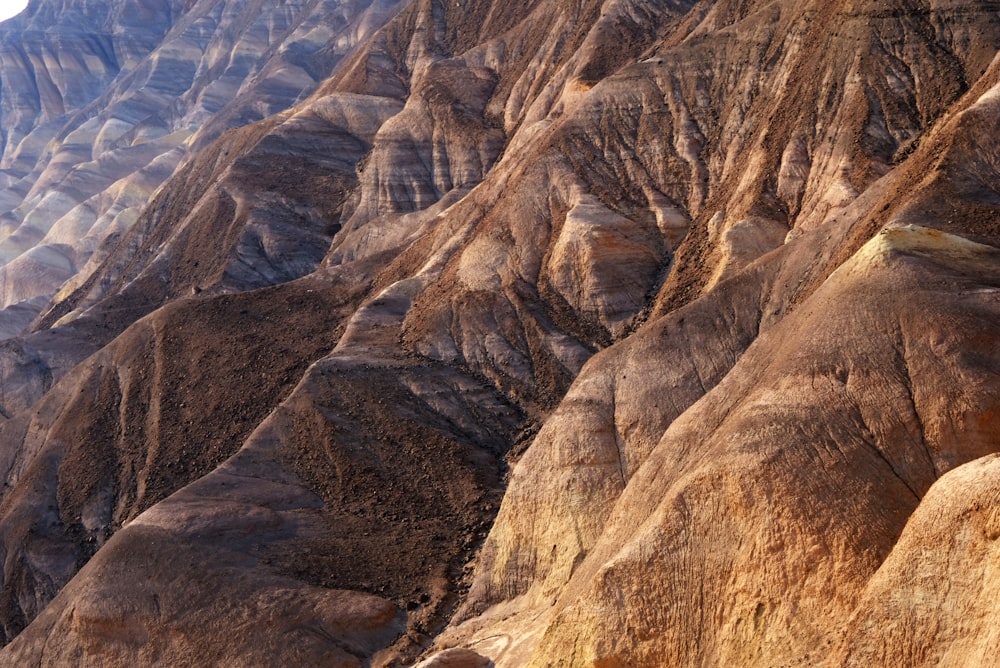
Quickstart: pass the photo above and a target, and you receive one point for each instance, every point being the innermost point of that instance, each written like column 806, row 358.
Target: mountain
column 100, row 107
column 619, row 333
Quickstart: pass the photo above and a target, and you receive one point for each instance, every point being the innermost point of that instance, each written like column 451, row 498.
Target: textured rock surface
column 99, row 107
column 618, row 333
column 817, row 449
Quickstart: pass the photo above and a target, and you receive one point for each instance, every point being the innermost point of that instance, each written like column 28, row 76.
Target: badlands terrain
column 527, row 333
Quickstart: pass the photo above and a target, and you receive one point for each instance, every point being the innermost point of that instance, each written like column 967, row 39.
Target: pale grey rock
column 141, row 85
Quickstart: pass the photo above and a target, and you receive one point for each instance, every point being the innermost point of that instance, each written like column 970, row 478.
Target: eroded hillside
column 622, row 334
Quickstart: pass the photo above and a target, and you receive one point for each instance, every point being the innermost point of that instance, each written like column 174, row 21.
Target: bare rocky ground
column 603, row 334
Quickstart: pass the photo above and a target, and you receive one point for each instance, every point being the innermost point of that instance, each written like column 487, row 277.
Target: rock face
column 619, row 333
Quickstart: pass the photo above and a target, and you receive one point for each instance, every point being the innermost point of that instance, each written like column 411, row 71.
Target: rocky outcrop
column 929, row 604
column 620, row 334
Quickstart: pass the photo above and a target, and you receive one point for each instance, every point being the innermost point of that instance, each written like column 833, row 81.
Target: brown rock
column 456, row 657
column 718, row 281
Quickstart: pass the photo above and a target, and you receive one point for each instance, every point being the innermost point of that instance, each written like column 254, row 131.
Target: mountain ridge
column 542, row 333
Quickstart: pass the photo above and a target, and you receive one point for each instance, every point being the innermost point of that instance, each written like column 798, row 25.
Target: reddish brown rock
column 704, row 294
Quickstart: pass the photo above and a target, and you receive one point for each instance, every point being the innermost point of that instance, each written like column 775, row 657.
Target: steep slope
column 793, row 467
column 771, row 502
column 99, row 108
column 718, row 280
column 929, row 602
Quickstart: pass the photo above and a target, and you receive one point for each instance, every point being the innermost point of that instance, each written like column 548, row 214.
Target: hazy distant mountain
column 101, row 101
column 617, row 333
